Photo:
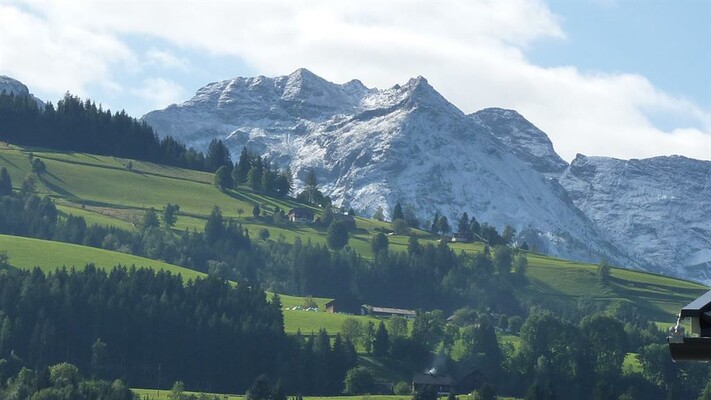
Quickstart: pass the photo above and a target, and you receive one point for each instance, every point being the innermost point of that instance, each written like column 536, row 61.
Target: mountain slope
column 659, row 207
column 523, row 138
column 371, row 148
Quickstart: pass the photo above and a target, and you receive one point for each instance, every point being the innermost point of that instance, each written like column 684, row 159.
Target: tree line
column 145, row 326
column 76, row 125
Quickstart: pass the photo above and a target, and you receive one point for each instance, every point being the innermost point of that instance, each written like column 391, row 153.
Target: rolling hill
column 104, row 191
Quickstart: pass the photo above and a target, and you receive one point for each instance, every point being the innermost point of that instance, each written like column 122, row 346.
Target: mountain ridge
column 375, row 147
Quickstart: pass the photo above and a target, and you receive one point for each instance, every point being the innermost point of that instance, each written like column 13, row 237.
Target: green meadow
column 27, row 253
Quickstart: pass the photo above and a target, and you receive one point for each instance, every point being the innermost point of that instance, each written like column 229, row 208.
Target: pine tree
column 256, row 211
column 413, row 246
column 98, row 358
column 443, row 225
column 241, row 169
column 381, row 343
column 379, row 243
column 463, row 226
column 474, row 227
column 603, row 273
column 337, row 235
column 268, row 178
column 378, row 215
column 214, row 227
column 509, row 234
column 434, row 227
column 327, row 217
column 397, row 212
column 150, row 219
column 169, row 217
column 223, row 179
column 5, row 183
column 254, row 179
column 29, row 185
column 282, row 185
column 218, row 155
column 260, row 389
column 311, row 180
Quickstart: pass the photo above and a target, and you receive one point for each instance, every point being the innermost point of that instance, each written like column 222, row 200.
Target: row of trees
column 59, row 382
column 252, row 170
column 467, row 228
column 78, row 125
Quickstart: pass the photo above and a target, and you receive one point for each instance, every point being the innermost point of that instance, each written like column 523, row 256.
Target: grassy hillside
column 28, row 253
column 104, row 191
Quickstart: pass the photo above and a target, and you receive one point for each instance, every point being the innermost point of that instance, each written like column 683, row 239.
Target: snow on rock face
column 523, row 138
column 10, row 85
column 659, row 208
column 373, row 147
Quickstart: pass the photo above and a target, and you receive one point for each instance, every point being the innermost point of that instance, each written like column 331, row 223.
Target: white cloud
column 57, row 57
column 473, row 52
column 159, row 92
column 166, row 59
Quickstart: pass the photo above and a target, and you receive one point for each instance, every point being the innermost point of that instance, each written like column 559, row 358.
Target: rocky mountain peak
column 657, row 207
column 523, row 138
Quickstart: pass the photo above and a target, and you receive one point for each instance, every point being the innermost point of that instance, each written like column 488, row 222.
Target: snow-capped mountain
column 10, row 85
column 372, row 148
column 523, row 138
column 658, row 208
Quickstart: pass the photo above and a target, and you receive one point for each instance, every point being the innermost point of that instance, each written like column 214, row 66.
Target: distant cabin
column 386, row 311
column 442, row 384
column 343, row 305
column 300, row 214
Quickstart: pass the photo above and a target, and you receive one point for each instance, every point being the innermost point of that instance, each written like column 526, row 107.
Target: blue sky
column 669, row 42
column 628, row 79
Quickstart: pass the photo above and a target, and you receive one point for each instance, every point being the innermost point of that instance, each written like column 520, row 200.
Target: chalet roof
column 431, row 379
column 698, row 306
column 388, row 310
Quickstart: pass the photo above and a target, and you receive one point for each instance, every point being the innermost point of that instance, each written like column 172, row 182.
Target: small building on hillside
column 301, row 214
column 386, row 311
column 343, row 305
column 442, row 384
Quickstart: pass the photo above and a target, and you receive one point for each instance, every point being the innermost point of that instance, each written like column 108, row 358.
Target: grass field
column 28, row 253
column 104, row 191
column 658, row 297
